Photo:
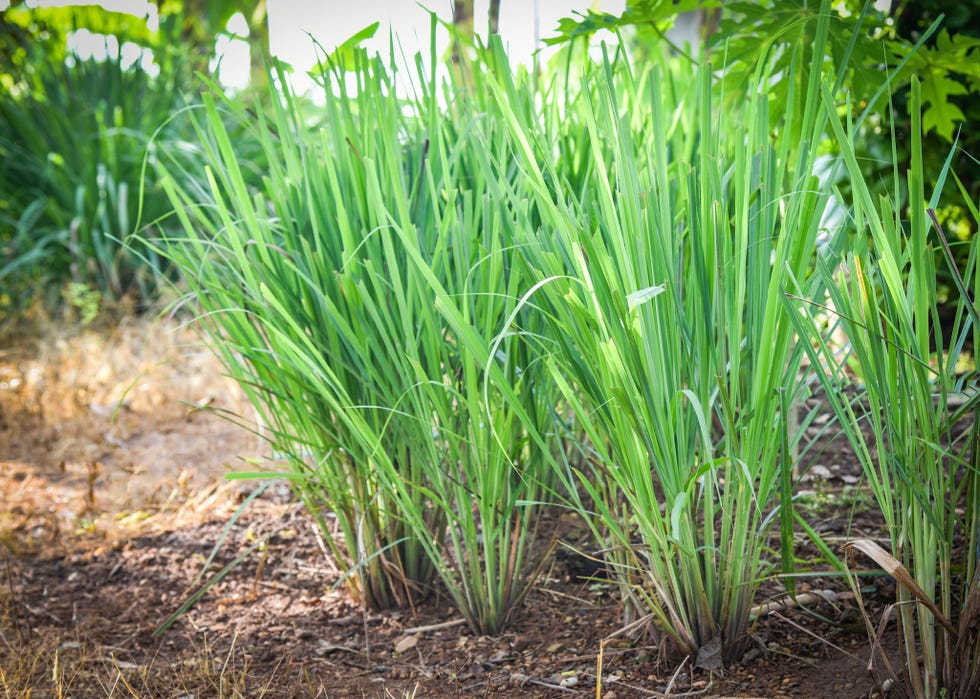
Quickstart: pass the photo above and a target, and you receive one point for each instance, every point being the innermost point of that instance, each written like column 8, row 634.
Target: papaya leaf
column 346, row 55
column 941, row 114
column 659, row 13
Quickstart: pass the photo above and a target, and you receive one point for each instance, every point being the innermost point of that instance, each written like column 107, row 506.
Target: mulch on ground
column 108, row 514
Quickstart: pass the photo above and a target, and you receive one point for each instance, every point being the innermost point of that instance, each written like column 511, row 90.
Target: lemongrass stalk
column 887, row 299
column 662, row 282
column 355, row 293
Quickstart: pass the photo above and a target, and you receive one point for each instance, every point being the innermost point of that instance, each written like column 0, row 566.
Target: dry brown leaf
column 894, row 567
column 709, row 655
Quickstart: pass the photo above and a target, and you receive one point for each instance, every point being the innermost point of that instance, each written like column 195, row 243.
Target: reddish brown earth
column 113, row 497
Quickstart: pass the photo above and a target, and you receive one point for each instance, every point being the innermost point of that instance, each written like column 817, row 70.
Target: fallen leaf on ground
column 406, row 643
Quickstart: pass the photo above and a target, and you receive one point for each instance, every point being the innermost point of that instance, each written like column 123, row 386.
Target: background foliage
column 74, row 134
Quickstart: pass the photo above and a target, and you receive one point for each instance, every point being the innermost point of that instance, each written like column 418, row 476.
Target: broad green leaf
column 941, row 114
column 348, row 54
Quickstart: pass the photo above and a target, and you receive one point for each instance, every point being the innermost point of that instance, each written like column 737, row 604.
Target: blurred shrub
column 73, row 136
column 77, row 138
column 948, row 64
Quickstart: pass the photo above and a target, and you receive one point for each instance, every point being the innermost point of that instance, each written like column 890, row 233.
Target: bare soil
column 113, row 497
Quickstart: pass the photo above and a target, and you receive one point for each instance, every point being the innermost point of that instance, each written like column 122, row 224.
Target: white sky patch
column 88, row 45
column 231, row 54
column 292, row 23
column 523, row 24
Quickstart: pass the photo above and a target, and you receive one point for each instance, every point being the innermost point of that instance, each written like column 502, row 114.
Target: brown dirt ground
column 113, row 497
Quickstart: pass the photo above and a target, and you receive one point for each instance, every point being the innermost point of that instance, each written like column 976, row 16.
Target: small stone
column 519, row 679
column 820, row 471
column 406, row 643
column 499, row 656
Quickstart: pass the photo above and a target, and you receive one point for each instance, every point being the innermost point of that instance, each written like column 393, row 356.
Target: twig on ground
column 521, row 679
column 677, row 673
column 434, row 627
column 788, row 602
column 565, row 595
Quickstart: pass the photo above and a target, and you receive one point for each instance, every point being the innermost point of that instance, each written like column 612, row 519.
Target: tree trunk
column 494, row 18
column 462, row 37
column 258, row 45
column 463, row 23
